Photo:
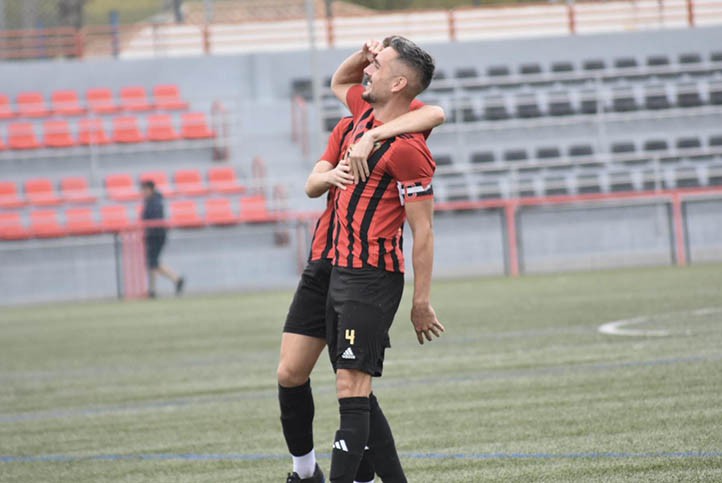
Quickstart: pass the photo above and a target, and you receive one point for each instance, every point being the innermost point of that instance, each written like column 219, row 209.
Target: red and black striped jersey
column 322, row 241
column 369, row 216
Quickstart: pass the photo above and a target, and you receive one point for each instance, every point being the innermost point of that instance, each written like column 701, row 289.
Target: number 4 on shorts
column 351, row 335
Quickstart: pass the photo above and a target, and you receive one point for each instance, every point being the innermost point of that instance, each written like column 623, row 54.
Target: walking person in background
column 155, row 235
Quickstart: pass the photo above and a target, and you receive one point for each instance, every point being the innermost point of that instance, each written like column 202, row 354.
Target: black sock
column 297, row 411
column 382, row 448
column 365, row 470
column 351, row 438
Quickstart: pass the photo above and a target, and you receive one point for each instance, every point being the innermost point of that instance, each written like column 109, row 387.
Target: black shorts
column 362, row 303
column 307, row 314
column 153, row 247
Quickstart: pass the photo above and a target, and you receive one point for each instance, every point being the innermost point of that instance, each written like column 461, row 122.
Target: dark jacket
column 153, row 210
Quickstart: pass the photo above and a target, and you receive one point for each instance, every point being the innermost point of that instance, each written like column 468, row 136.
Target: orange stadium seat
column 121, row 187
column 160, row 178
column 12, row 227
column 134, row 98
column 114, row 218
column 167, row 97
column 81, row 221
column 40, row 191
column 160, row 128
column 9, row 195
column 21, row 135
column 32, row 104
column 219, row 211
column 75, row 189
column 100, row 101
column 188, row 182
column 194, row 126
column 223, row 180
column 66, row 103
column 6, row 108
column 184, row 214
column 126, row 130
column 44, row 224
column 254, row 209
column 56, row 134
column 92, row 131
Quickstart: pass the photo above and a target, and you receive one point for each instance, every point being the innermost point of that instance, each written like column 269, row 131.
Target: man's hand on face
column 371, row 48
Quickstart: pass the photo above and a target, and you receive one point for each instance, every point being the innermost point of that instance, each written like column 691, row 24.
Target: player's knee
column 352, row 383
column 289, row 376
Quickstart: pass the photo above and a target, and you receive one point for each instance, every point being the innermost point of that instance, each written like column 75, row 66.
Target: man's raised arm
column 351, row 70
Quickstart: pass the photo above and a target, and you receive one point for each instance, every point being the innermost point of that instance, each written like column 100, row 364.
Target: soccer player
column 367, row 278
column 304, row 333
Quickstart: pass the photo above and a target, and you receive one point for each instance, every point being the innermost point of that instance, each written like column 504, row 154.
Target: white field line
column 619, row 327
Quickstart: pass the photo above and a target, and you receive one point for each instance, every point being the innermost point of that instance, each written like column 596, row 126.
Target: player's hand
column 425, row 322
column 358, row 155
column 340, row 176
column 371, row 48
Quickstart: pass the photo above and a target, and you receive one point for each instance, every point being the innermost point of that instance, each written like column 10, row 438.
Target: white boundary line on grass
column 617, row 327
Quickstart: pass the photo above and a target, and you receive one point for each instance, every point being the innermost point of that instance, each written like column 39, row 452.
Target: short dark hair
column 414, row 57
column 148, row 183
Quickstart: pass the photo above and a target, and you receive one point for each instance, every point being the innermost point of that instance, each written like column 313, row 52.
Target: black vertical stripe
column 382, row 253
column 394, row 258
column 329, row 235
column 369, row 214
column 337, row 228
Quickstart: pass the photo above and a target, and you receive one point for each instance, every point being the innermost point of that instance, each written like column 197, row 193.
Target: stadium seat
column 560, row 104
column 548, row 152
column 625, row 152
column 92, row 131
column 134, row 99
column 45, row 224
column 101, row 101
column 126, row 130
column 194, row 126
column 688, row 95
column 655, row 97
column 498, row 71
column 625, row 63
column 715, row 57
column 495, row 108
column 56, row 134
column 689, row 58
column 21, row 135
column 466, row 73
column 588, row 183
column 254, row 209
column 656, row 145
column 12, row 227
column 6, row 108
column 620, row 181
column 531, row 68
column 160, row 178
column 715, row 92
column 41, row 192
column 9, row 195
column 482, row 157
column 555, row 186
column 715, row 141
column 66, row 103
column 219, row 211
column 81, row 221
column 75, row 189
column 184, row 214
column 121, row 187
column 593, row 65
column 114, row 218
column 167, row 97
column 526, row 106
column 623, row 99
column 32, row 104
column 188, row 182
column 562, row 67
column 589, row 102
column 657, row 61
column 580, row 151
column 223, row 180
column 160, row 128
column 515, row 155
column 443, row 160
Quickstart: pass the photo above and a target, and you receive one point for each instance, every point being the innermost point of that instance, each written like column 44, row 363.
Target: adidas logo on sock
column 341, row 445
column 348, row 354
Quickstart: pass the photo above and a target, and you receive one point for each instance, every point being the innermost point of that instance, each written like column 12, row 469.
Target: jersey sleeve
column 354, row 101
column 415, row 105
column 335, row 140
column 413, row 168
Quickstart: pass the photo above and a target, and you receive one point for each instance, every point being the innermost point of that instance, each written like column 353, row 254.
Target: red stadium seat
column 223, row 180
column 32, row 104
column 101, row 101
column 21, row 135
column 219, row 211
column 114, row 218
column 121, row 187
column 44, row 224
column 40, row 191
column 160, row 178
column 126, row 130
column 184, row 214
column 12, row 227
column 66, row 103
column 6, row 108
column 81, row 221
column 56, row 134
column 75, row 190
column 167, row 97
column 134, row 99
column 9, row 196
column 254, row 209
column 92, row 131
column 160, row 128
column 194, row 126
column 188, row 182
